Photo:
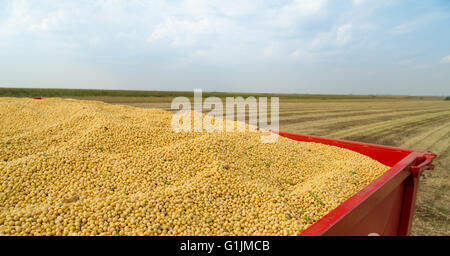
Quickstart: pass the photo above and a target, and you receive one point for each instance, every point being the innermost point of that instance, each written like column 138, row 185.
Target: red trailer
column 385, row 206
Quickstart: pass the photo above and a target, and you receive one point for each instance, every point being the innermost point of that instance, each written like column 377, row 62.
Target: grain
column 72, row 167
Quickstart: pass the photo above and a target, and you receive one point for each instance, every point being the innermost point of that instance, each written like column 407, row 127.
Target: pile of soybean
column 70, row 167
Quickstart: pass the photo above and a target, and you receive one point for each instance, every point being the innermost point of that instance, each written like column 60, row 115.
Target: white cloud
column 358, row 2
column 18, row 19
column 336, row 37
column 270, row 51
column 308, row 6
column 296, row 54
column 402, row 29
column 200, row 53
column 236, row 34
column 413, row 64
column 230, row 8
column 181, row 32
column 446, row 59
column 298, row 11
column 344, row 34
column 25, row 17
column 48, row 23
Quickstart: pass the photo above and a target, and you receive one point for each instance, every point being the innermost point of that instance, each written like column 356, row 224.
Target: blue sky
column 304, row 46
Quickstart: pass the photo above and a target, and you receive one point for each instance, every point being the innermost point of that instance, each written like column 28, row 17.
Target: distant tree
column 447, row 98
